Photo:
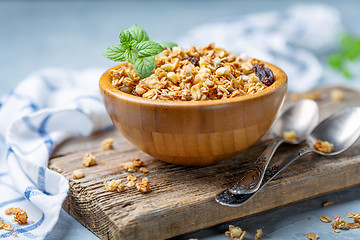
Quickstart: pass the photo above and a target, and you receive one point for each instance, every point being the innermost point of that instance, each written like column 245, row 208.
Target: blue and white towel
column 43, row 110
column 289, row 38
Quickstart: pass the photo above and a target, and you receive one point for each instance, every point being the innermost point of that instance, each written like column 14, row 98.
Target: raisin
column 193, row 60
column 265, row 75
column 133, row 92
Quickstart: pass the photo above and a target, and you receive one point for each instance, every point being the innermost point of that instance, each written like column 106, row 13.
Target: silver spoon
column 300, row 117
column 342, row 129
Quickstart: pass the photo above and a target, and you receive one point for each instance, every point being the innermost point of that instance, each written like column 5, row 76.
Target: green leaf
column 125, row 36
column 168, row 45
column 138, row 33
column 116, row 53
column 131, row 55
column 148, row 48
column 144, row 66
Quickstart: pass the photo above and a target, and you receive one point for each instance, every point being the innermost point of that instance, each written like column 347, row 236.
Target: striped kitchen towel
column 43, row 110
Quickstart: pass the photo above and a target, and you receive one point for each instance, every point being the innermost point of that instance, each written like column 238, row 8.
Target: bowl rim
column 106, row 87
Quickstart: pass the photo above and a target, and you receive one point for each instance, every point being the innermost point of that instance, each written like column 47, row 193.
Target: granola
column 258, row 233
column 290, row 135
column 324, row 146
column 193, row 74
column 143, row 186
column 88, row 160
column 78, row 173
column 338, row 223
column 20, row 215
column 235, row 232
column 325, row 219
column 133, row 165
column 312, row 236
column 107, row 144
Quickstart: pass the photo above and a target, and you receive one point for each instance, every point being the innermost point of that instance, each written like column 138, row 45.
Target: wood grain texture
column 194, row 132
column 182, row 198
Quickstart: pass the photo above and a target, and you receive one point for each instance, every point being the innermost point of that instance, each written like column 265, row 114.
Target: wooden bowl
column 196, row 132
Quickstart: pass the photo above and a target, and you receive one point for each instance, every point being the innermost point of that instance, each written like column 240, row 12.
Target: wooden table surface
column 182, row 198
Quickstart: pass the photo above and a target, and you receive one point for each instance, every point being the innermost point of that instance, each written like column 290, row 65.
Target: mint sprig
column 136, row 48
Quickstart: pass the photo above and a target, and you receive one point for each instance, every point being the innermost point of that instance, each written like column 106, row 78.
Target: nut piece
column 107, row 144
column 258, row 233
column 312, row 236
column 355, row 216
column 8, row 227
column 12, row 210
column 235, row 232
column 222, row 71
column 290, row 135
column 325, row 204
column 337, row 95
column 325, row 219
column 143, row 186
column 144, row 170
column 324, row 146
column 88, row 160
column 21, row 217
column 113, row 185
column 78, row 173
column 173, row 77
column 353, row 225
column 338, row 223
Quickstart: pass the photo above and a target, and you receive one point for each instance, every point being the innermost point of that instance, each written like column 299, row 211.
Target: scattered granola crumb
column 324, row 146
column 88, row 160
column 355, row 216
column 1, row 224
column 312, row 236
column 143, row 186
column 290, row 135
column 235, row 232
column 144, row 170
column 131, row 178
column 309, row 218
column 107, row 144
column 121, row 188
column 112, row 185
column 337, row 94
column 353, row 225
column 137, row 162
column 15, row 234
column 336, row 230
column 258, row 233
column 21, row 217
column 325, row 219
column 133, row 165
column 325, row 204
column 32, row 221
column 8, row 227
column 338, row 223
column 130, row 184
column 78, row 173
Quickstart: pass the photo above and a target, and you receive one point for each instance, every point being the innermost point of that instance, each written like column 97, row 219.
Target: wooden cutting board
column 182, row 198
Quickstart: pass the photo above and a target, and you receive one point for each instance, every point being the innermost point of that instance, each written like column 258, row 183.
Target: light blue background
column 67, row 34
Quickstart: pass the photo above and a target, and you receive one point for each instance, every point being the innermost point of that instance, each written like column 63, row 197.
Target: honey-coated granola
column 193, row 74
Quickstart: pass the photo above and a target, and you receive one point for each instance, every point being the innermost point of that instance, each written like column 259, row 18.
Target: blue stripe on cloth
column 2, row 139
column 47, row 83
column 31, row 191
column 3, row 174
column 31, row 105
column 26, row 230
column 41, row 130
column 11, row 201
column 41, row 178
column 8, row 152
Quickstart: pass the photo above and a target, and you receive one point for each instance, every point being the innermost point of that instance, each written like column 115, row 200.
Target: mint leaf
column 131, row 55
column 168, row 44
column 144, row 66
column 148, row 48
column 125, row 36
column 116, row 53
column 138, row 33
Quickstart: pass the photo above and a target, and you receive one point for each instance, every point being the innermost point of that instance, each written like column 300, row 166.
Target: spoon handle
column 226, row 198
column 251, row 180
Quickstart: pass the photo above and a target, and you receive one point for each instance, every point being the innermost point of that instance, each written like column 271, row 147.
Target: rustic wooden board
column 182, row 198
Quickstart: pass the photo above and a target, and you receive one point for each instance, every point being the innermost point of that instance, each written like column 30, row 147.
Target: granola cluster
column 339, row 223
column 193, row 74
column 235, row 232
column 20, row 215
column 120, row 185
column 324, row 146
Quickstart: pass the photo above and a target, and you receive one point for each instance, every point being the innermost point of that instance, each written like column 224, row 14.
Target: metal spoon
column 342, row 129
column 300, row 117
